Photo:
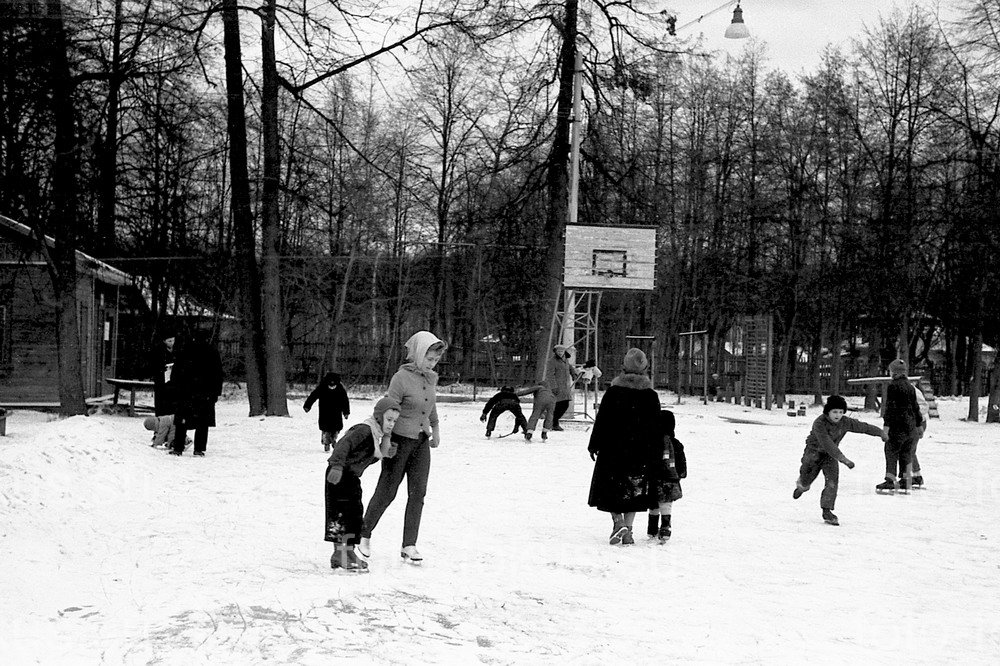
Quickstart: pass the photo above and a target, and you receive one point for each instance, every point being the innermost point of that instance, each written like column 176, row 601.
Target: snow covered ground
column 114, row 552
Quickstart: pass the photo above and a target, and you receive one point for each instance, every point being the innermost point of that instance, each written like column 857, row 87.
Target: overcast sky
column 796, row 31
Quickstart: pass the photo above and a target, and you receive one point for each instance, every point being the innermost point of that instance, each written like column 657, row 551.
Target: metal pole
column 574, row 153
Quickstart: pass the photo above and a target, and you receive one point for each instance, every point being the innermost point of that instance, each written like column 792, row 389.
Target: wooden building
column 111, row 312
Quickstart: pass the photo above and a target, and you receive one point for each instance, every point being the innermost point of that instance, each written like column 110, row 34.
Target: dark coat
column 355, row 451
column 164, row 394
column 502, row 400
column 628, row 441
column 334, row 405
column 825, row 435
column 197, row 379
column 902, row 411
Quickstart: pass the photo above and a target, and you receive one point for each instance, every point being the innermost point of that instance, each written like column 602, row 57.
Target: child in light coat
column 163, row 430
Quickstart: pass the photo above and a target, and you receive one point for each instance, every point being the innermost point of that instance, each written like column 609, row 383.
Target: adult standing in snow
column 161, row 368
column 334, row 407
column 822, row 453
column 563, row 377
column 625, row 442
column 902, row 417
column 197, row 377
column 416, row 432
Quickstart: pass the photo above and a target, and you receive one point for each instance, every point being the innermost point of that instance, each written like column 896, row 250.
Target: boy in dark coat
column 625, row 442
column 823, row 452
column 505, row 400
column 197, row 377
column 334, row 407
column 902, row 418
column 364, row 444
column 665, row 480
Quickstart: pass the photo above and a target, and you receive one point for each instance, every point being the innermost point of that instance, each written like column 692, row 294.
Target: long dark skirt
column 344, row 512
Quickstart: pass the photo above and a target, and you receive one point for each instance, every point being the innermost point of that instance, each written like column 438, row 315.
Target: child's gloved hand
column 849, row 463
column 334, row 475
column 483, row 418
column 306, row 409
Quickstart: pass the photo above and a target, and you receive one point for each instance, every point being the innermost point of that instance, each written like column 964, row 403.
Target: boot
column 627, row 538
column 830, row 518
column 618, row 532
column 887, row 487
column 653, row 525
column 797, row 493
column 545, row 436
column 917, row 481
column 410, row 555
column 527, row 436
column 664, row 534
column 488, row 433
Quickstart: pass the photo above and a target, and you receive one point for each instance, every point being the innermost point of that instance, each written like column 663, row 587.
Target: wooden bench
column 882, row 384
column 130, row 385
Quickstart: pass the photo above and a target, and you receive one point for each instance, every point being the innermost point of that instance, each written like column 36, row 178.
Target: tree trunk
column 558, row 194
column 976, row 368
column 993, row 404
column 108, row 152
column 274, row 335
column 245, row 245
column 64, row 222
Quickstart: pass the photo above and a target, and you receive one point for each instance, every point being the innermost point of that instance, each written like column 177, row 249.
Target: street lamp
column 737, row 29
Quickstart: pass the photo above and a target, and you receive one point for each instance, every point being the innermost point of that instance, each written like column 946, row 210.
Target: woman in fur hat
column 625, row 443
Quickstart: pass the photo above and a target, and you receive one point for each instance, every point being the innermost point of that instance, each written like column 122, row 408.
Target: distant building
column 112, row 313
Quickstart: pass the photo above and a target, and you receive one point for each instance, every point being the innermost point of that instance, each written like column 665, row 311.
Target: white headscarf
column 417, row 346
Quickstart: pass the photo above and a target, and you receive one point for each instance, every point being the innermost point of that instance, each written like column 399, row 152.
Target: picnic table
column 130, row 385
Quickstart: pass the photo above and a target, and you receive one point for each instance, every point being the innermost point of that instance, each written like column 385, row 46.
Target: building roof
column 102, row 271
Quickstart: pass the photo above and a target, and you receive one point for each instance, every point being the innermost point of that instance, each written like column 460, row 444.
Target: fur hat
column 635, row 361
column 506, row 389
column 384, row 405
column 897, row 368
column 835, row 402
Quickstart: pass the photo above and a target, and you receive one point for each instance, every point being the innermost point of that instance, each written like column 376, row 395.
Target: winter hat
column 635, row 361
column 507, row 389
column 835, row 402
column 667, row 422
column 382, row 406
column 897, row 368
column 419, row 343
column 560, row 348
column 149, row 423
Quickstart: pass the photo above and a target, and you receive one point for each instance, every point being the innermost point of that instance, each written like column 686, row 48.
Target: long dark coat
column 197, row 380
column 627, row 439
column 164, row 399
column 334, row 405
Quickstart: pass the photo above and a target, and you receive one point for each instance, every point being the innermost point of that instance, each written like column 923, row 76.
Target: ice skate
column 411, row 556
column 917, row 482
column 664, row 534
column 365, row 547
column 887, row 487
column 904, row 486
column 830, row 518
column 545, row 436
column 488, row 433
column 527, row 436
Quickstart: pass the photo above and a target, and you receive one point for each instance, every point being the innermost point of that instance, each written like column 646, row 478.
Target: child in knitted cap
column 823, row 453
column 362, row 445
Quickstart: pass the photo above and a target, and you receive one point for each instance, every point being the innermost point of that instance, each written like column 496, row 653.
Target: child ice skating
column 665, row 480
column 543, row 407
column 902, row 422
column 417, row 431
column 334, row 407
column 505, row 400
column 822, row 453
column 362, row 445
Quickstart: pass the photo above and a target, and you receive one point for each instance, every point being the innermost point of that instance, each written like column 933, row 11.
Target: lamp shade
column 737, row 29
